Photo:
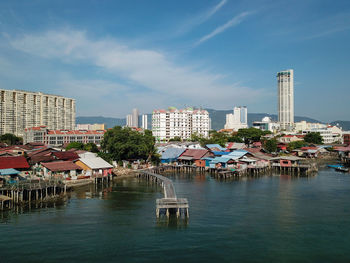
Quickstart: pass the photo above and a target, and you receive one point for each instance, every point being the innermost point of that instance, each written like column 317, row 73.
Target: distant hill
column 218, row 119
column 344, row 124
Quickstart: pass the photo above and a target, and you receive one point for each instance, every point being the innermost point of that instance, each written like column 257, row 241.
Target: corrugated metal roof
column 61, row 166
column 172, row 153
column 238, row 153
column 220, row 153
column 222, row 159
column 210, row 146
column 9, row 171
column 17, row 162
column 96, row 163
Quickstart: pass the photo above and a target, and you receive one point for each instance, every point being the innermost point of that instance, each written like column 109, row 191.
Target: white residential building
column 303, row 125
column 129, row 120
column 285, row 84
column 144, row 122
column 238, row 119
column 167, row 124
column 266, row 124
column 330, row 134
column 24, row 109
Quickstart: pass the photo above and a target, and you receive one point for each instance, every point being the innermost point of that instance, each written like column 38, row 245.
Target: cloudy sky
column 112, row 56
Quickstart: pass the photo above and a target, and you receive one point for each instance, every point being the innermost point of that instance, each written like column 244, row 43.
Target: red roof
column 66, row 156
column 61, row 166
column 17, row 162
column 195, row 153
column 252, row 150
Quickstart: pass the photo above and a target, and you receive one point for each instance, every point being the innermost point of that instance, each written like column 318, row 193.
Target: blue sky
column 112, row 56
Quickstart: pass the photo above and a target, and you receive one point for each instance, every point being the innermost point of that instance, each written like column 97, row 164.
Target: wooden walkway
column 170, row 204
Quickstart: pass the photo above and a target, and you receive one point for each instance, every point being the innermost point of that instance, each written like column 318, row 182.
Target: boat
column 335, row 166
column 342, row 169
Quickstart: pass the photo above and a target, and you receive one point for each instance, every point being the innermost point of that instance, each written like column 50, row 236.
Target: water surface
column 263, row 219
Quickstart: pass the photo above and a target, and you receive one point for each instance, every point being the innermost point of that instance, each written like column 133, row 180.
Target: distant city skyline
column 114, row 55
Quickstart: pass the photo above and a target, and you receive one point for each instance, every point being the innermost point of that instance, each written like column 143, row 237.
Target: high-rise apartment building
column 135, row 118
column 24, row 109
column 167, row 124
column 129, row 120
column 238, row 119
column 144, row 122
column 285, row 84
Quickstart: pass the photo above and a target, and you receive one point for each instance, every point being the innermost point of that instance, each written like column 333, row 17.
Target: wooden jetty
column 30, row 191
column 170, row 204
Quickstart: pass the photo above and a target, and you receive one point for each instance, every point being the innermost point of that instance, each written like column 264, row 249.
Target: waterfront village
column 43, row 157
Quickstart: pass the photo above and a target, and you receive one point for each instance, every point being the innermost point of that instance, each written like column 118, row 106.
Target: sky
column 112, row 56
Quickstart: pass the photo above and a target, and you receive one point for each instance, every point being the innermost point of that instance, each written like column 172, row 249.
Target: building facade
column 144, row 122
column 135, row 118
column 167, row 124
column 238, row 119
column 24, row 109
column 90, row 127
column 266, row 124
column 330, row 134
column 59, row 137
column 285, row 86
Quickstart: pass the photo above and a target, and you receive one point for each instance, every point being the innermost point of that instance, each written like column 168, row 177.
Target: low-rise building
column 346, row 137
column 266, row 124
column 59, row 137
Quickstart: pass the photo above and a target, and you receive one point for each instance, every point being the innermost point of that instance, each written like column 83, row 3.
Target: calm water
column 266, row 219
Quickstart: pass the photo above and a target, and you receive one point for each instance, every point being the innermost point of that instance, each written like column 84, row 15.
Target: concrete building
column 90, row 127
column 59, row 137
column 135, row 118
column 266, row 124
column 167, row 124
column 330, row 134
column 303, row 125
column 129, row 120
column 238, row 119
column 346, row 137
column 285, row 85
column 24, row 109
column 144, row 122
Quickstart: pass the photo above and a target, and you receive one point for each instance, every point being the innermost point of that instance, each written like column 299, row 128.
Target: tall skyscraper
column 25, row 109
column 238, row 119
column 285, row 84
column 129, row 120
column 135, row 118
column 144, row 122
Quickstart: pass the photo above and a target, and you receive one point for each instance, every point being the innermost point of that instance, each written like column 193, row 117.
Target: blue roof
column 10, row 171
column 222, row 159
column 220, row 153
column 237, row 154
column 209, row 146
column 172, row 153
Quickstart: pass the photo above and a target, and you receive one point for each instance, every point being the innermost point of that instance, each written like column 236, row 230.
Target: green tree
column 313, row 137
column 91, row 147
column 11, row 139
column 234, row 138
column 125, row 144
column 75, row 145
column 271, row 145
column 250, row 135
column 296, row 145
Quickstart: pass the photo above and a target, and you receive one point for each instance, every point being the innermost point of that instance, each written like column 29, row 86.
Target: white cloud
column 200, row 18
column 149, row 74
column 231, row 23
